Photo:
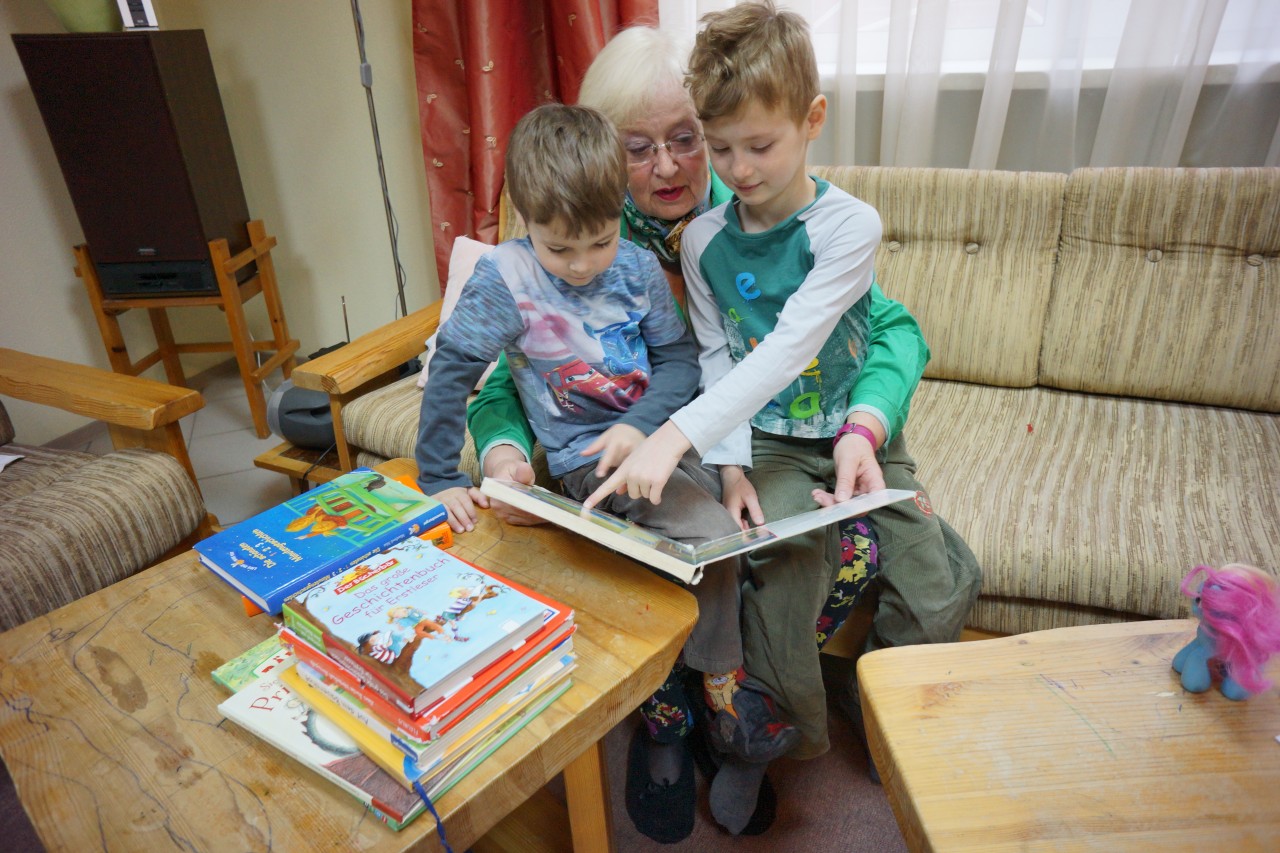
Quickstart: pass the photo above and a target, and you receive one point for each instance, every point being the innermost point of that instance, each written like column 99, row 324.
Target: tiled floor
column 222, row 444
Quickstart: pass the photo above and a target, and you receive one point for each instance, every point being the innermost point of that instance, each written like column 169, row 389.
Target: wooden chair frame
column 139, row 412
column 230, row 299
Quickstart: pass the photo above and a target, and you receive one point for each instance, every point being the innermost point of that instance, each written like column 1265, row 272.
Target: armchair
column 72, row 523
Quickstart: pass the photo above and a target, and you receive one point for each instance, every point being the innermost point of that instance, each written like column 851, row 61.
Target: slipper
column 708, row 762
column 664, row 813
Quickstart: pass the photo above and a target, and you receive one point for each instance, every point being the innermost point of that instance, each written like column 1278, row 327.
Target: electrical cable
column 393, row 226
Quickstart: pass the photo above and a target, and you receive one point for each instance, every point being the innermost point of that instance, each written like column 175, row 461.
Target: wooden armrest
column 370, row 355
column 116, row 398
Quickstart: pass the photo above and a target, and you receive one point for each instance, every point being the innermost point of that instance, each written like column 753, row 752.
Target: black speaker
column 138, row 129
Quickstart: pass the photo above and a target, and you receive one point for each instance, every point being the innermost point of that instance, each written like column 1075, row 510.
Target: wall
column 288, row 73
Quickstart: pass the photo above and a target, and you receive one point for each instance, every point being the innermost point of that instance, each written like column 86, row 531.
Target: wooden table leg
column 586, row 788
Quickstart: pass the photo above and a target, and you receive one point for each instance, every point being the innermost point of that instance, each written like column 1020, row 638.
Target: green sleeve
column 496, row 413
column 896, row 358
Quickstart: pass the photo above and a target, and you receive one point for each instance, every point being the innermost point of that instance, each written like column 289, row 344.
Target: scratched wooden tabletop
column 1070, row 739
column 110, row 729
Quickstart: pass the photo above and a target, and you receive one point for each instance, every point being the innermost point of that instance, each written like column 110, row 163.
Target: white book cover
column 267, row 708
column 678, row 559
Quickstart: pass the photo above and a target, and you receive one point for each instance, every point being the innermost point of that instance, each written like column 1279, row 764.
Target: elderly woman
column 637, row 80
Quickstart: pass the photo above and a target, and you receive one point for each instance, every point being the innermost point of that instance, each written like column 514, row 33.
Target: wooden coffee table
column 1069, row 739
column 110, row 728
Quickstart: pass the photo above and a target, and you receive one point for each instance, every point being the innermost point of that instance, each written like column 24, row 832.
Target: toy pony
column 1239, row 611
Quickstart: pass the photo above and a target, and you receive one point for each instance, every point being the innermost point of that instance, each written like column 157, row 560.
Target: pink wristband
column 856, row 429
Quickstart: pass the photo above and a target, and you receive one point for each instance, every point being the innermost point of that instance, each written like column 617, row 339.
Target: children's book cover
column 679, row 559
column 317, row 534
column 417, row 620
column 268, row 709
column 445, row 713
column 264, row 659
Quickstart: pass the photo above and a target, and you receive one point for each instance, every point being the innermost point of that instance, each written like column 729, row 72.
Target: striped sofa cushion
column 1166, row 287
column 1110, row 502
column 970, row 253
column 383, row 424
column 97, row 523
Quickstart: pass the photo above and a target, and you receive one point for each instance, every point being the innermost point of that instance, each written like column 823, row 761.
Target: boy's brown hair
column 566, row 163
column 752, row 51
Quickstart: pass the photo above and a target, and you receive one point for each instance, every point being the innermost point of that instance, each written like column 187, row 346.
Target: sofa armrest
column 126, row 401
column 369, row 356
column 139, row 412
column 365, row 364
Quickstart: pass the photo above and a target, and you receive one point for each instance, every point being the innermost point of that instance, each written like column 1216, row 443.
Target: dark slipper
column 708, row 762
column 664, row 813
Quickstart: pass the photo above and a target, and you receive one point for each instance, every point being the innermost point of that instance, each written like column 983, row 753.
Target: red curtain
column 480, row 65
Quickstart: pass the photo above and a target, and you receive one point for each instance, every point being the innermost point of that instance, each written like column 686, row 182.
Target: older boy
column 600, row 357
column 777, row 283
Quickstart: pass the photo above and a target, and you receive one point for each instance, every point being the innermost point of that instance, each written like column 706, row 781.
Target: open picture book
column 682, row 561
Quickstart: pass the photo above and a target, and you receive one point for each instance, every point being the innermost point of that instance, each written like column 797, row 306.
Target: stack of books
column 310, row 538
column 398, row 676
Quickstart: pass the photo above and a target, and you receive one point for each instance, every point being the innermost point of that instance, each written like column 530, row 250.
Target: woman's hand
column 505, row 462
column 614, row 445
column 647, row 469
column 739, row 497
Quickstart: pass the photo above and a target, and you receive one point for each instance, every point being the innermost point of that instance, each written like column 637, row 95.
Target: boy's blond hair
column 566, row 165
column 752, row 52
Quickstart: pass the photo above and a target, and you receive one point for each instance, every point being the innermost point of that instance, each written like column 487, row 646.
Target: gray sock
column 734, row 792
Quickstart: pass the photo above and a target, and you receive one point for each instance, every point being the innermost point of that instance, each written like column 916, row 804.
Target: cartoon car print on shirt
column 578, row 377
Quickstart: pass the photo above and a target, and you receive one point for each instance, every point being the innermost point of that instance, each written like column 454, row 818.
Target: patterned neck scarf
column 660, row 236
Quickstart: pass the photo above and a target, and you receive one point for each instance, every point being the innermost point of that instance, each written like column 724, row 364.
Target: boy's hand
column 462, row 511
column 616, row 442
column 857, row 471
column 739, row 497
column 647, row 469
column 506, row 462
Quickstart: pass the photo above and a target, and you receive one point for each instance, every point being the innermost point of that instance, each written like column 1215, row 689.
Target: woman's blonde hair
column 753, row 52
column 637, row 66
column 566, row 164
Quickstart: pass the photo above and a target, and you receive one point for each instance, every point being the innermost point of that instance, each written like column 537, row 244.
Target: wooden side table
column 230, row 298
column 1070, row 739
column 110, row 729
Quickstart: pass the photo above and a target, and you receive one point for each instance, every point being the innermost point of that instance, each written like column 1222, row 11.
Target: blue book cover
column 414, row 622
column 317, row 534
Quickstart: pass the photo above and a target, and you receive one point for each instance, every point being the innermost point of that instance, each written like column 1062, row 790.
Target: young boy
column 777, row 283
column 600, row 357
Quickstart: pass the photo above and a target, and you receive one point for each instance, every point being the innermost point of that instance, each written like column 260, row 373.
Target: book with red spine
column 416, row 624
column 425, row 725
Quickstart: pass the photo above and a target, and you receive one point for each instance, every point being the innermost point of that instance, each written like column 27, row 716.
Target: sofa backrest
column 1166, row 286
column 971, row 254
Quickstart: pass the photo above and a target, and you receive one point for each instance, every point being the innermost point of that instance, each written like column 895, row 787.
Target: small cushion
column 97, row 523
column 462, row 262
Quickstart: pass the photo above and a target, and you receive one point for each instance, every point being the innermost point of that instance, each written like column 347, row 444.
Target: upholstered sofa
column 1100, row 413
column 72, row 523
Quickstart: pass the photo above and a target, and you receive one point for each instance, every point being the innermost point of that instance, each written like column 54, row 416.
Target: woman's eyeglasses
column 680, row 147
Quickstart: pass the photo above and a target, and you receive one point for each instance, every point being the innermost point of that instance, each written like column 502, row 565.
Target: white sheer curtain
column 1042, row 84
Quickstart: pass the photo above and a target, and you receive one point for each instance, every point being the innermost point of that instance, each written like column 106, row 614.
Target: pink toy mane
column 1240, row 608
